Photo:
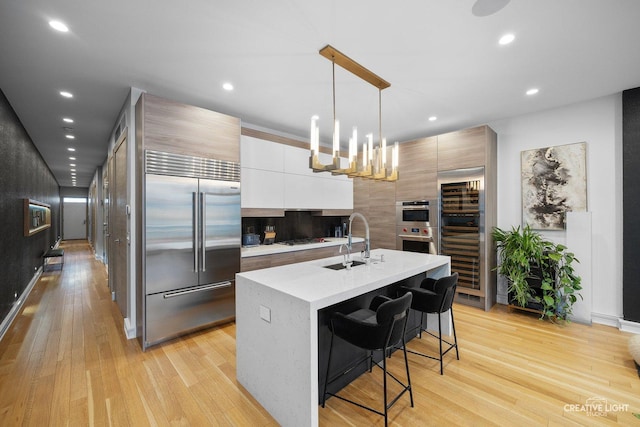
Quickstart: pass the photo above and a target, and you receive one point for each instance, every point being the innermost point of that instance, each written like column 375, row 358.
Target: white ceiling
column 440, row 58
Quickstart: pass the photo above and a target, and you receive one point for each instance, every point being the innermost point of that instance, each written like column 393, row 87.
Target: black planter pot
column 535, row 285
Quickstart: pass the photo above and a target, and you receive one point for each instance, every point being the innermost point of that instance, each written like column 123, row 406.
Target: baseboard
column 17, row 306
column 129, row 331
column 605, row 319
column 628, row 326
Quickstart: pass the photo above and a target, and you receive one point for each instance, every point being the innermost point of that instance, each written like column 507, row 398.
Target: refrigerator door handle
column 203, row 230
column 198, row 289
column 195, row 231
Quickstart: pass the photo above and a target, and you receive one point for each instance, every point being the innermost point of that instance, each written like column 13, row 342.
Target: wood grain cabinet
column 418, row 165
column 376, row 201
column 465, row 148
column 173, row 127
column 275, row 260
column 420, row 162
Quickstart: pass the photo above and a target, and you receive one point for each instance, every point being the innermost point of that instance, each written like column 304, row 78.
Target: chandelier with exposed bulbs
column 373, row 162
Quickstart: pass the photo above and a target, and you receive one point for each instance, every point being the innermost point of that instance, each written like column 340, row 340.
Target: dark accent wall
column 631, row 203
column 23, row 175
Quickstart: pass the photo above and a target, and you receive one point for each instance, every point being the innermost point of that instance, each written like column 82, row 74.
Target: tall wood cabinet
column 420, row 162
column 472, row 150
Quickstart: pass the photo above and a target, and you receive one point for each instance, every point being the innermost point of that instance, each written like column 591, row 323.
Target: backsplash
column 295, row 225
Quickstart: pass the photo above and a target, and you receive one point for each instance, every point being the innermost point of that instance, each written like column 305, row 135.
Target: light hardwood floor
column 65, row 361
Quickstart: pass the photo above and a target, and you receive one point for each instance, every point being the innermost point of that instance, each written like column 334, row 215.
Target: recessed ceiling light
column 72, row 158
column 72, row 170
column 59, row 26
column 72, row 164
column 71, row 149
column 506, row 39
column 227, row 86
column 67, row 119
column 433, row 118
column 70, row 137
column 532, row 91
column 66, row 94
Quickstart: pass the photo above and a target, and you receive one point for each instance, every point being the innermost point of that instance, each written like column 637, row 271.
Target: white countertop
column 277, row 248
column 321, row 287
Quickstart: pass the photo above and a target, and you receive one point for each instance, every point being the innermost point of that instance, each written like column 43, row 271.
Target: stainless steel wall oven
column 416, row 226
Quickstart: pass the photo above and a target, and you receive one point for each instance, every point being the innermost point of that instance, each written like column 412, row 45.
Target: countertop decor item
column 374, row 161
column 540, row 273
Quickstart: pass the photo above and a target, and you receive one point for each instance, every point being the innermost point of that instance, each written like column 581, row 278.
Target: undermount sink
column 340, row 266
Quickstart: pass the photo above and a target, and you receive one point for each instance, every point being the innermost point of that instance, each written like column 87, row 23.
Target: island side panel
column 275, row 359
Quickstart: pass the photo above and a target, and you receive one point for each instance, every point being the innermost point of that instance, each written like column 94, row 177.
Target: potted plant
column 524, row 258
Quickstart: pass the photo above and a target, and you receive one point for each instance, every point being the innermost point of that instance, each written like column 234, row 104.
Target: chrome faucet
column 367, row 242
column 347, row 256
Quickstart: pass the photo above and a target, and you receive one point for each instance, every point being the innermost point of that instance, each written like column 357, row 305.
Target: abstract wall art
column 554, row 181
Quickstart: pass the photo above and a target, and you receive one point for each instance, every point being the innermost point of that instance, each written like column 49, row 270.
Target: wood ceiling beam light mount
column 339, row 58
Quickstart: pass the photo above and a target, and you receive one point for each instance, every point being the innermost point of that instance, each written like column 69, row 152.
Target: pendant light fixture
column 373, row 162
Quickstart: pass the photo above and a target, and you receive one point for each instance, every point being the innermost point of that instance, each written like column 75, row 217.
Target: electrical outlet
column 265, row 313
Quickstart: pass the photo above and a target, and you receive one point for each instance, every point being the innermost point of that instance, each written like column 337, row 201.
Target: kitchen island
column 277, row 326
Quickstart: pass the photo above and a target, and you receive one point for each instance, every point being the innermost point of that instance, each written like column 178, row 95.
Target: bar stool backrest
column 394, row 311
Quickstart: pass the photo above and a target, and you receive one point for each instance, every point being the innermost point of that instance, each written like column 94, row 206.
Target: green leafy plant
column 522, row 251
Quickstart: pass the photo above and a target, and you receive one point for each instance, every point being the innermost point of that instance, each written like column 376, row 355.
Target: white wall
column 598, row 123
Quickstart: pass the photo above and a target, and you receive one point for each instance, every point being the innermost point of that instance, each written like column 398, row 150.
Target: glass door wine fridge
column 462, row 227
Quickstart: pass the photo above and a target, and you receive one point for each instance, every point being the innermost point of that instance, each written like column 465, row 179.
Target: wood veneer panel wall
column 631, row 207
column 185, row 129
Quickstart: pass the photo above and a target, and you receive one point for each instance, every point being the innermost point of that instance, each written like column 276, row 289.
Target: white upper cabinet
column 261, row 189
column 278, row 176
column 260, row 154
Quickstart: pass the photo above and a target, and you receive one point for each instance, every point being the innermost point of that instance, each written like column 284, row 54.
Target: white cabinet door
column 302, row 192
column 278, row 176
column 260, row 154
column 296, row 161
column 261, row 189
column 337, row 194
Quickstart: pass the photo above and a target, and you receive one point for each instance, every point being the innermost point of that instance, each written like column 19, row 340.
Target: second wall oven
column 416, row 226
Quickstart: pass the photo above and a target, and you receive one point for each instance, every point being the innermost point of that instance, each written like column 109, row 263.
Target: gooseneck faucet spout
column 367, row 243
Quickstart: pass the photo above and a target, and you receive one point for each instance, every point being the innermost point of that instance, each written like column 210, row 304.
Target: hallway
column 65, row 361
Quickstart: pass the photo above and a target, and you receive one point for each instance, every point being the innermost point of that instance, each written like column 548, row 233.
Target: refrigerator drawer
column 171, row 314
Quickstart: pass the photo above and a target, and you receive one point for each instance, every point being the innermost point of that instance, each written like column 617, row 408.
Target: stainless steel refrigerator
column 192, row 232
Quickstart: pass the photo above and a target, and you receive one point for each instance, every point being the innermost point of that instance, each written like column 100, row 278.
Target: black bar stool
column 435, row 296
column 380, row 327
